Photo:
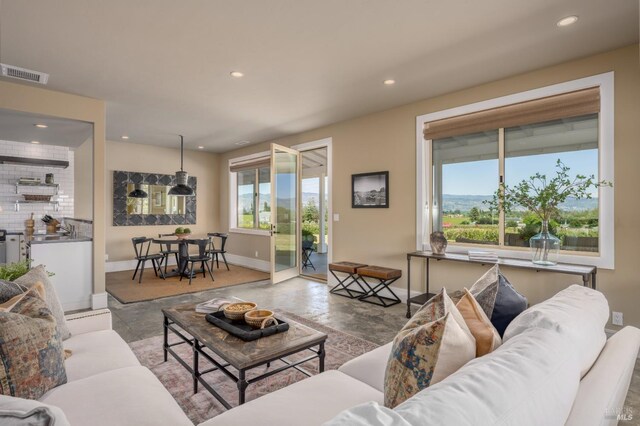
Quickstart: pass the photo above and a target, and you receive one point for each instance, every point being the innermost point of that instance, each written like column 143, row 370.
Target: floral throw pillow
column 31, row 353
column 435, row 343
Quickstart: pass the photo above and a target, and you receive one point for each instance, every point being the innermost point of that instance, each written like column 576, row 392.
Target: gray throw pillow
column 29, row 412
column 39, row 274
column 9, row 289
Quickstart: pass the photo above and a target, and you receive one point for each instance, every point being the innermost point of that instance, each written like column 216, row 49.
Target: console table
column 588, row 273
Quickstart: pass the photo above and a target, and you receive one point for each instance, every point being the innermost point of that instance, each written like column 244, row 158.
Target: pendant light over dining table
column 181, row 188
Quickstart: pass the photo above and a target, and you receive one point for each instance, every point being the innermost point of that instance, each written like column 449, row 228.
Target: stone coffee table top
column 237, row 352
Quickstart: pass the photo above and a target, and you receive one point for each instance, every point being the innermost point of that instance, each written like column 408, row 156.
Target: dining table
column 183, row 254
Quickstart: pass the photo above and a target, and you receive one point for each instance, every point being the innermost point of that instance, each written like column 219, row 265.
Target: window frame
column 233, row 197
column 606, row 255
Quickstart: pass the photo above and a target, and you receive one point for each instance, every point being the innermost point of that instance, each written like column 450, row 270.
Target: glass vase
column 545, row 247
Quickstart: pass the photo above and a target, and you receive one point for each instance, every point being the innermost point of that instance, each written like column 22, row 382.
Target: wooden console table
column 588, row 273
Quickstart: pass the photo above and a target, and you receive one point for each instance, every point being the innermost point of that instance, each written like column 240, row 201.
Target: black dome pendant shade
column 138, row 192
column 181, row 188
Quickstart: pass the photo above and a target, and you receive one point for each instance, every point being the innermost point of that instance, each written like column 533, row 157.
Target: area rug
column 340, row 347
column 122, row 287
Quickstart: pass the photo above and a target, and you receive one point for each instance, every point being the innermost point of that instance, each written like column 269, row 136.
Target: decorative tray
column 242, row 330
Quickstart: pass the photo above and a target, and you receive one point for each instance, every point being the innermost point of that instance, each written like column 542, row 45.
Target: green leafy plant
column 179, row 231
column 541, row 195
column 13, row 271
column 186, row 231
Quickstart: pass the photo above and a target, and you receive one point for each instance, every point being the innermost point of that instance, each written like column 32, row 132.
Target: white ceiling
column 20, row 127
column 163, row 65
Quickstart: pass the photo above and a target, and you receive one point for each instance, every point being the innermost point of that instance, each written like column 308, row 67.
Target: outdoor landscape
column 467, row 219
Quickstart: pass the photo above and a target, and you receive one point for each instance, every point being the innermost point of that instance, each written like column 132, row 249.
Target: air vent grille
column 24, row 74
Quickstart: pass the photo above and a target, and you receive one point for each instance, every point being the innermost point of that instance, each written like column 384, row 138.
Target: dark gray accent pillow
column 9, row 289
column 509, row 304
column 39, row 274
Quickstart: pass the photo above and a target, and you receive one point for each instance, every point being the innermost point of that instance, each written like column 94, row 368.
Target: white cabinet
column 71, row 264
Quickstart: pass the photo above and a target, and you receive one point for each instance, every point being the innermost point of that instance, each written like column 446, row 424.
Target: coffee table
column 204, row 338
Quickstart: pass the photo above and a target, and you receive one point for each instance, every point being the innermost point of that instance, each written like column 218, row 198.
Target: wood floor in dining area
column 125, row 290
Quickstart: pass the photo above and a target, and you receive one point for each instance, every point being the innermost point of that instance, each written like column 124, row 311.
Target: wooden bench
column 385, row 277
column 342, row 288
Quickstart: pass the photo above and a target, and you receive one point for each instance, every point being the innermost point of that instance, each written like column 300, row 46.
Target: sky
column 484, row 174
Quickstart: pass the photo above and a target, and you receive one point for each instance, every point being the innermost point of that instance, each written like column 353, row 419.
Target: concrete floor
column 307, row 298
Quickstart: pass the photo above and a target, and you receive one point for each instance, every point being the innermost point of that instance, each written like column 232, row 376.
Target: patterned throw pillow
column 32, row 357
column 486, row 335
column 498, row 298
column 432, row 345
column 9, row 289
column 39, row 274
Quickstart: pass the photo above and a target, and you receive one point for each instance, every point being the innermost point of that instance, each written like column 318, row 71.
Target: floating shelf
column 55, row 204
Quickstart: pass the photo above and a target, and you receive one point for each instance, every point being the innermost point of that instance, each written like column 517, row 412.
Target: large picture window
column 466, row 153
column 253, row 192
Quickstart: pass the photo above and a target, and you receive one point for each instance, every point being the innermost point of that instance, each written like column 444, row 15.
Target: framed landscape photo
column 370, row 190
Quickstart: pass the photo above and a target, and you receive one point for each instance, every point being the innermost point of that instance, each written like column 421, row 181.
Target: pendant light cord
column 181, row 152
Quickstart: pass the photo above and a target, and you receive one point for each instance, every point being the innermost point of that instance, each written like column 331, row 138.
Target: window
column 465, row 153
column 250, row 193
column 253, row 198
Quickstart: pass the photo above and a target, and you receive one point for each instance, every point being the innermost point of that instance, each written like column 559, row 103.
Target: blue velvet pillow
column 498, row 298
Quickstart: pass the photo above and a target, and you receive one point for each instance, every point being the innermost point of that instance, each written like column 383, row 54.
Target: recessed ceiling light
column 125, row 137
column 567, row 21
column 41, row 126
column 236, row 74
column 242, row 143
column 200, row 147
column 35, row 142
column 389, row 82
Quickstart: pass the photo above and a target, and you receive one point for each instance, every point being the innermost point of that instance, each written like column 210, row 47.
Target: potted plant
column 182, row 233
column 542, row 196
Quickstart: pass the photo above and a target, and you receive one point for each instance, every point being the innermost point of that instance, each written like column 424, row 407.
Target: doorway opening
column 314, row 213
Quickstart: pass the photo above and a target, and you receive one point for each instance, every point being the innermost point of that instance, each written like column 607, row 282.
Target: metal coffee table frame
column 240, row 379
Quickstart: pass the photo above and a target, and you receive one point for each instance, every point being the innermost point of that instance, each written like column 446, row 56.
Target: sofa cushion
column 97, row 352
column 9, row 289
column 498, row 298
column 432, row 345
column 126, row 396
column 308, row 402
column 32, row 356
column 369, row 367
column 29, row 412
column 39, row 274
column 578, row 312
column 486, row 335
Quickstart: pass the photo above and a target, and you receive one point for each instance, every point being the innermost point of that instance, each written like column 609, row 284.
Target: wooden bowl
column 259, row 318
column 236, row 311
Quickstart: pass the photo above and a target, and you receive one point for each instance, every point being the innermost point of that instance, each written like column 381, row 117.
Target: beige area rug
column 122, row 287
column 340, row 347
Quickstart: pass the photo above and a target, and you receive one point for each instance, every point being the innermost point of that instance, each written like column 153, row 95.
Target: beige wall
column 19, row 97
column 386, row 141
column 83, row 181
column 153, row 159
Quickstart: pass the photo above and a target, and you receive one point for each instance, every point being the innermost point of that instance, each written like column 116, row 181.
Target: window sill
column 260, row 232
column 591, row 259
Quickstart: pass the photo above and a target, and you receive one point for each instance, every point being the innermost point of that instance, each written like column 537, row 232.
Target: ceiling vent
column 24, row 74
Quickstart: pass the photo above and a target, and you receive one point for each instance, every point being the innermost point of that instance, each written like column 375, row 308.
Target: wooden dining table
column 183, row 254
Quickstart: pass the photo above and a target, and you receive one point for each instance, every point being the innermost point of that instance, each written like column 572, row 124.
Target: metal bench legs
column 374, row 293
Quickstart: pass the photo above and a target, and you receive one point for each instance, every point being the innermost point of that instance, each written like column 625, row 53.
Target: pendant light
column 181, row 188
column 138, row 192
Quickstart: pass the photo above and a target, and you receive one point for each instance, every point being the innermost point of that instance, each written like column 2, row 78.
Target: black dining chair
column 307, row 251
column 202, row 257
column 214, row 252
column 141, row 246
column 167, row 249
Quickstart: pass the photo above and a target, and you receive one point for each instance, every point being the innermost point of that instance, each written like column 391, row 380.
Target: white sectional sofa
column 554, row 367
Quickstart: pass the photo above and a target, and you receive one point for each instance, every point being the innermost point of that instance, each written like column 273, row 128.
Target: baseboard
column 249, row 262
column 128, row 265
column 99, row 300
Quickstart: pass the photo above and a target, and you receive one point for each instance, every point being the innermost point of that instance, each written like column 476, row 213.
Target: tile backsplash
column 9, row 175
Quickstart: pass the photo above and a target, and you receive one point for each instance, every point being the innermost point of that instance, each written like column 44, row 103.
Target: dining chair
column 141, row 246
column 214, row 252
column 202, row 257
column 166, row 249
column 307, row 251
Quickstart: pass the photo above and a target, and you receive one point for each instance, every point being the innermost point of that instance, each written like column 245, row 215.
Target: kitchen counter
column 50, row 238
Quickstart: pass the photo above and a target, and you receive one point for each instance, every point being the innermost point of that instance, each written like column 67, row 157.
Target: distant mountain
column 245, row 199
column 464, row 203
